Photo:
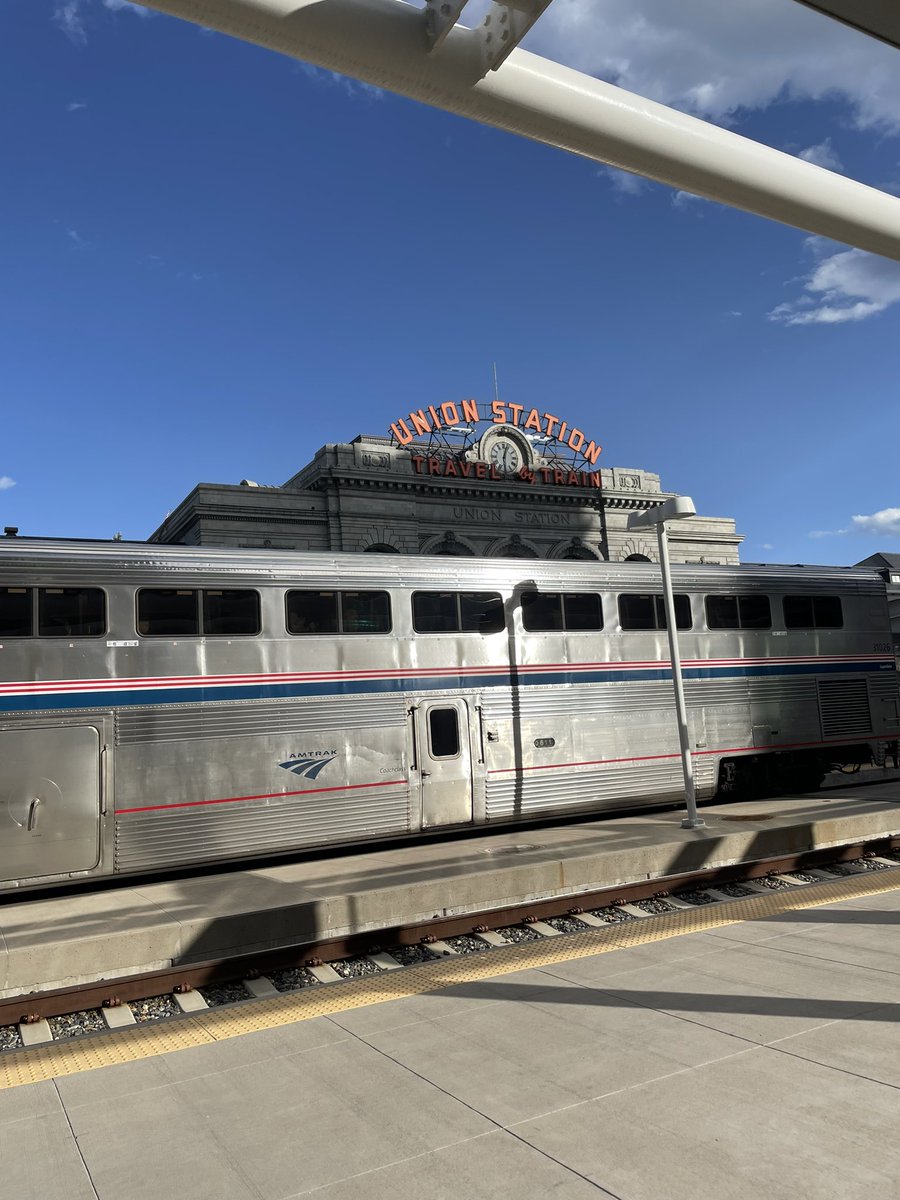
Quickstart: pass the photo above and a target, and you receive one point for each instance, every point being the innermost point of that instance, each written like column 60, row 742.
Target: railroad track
column 67, row 1013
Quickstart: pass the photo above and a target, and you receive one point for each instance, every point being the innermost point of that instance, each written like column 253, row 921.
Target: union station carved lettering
column 471, row 513
column 547, row 520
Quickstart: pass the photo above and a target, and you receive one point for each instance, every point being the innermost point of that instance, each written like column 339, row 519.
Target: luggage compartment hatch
column 49, row 801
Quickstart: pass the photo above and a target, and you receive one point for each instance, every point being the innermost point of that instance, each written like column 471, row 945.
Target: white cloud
column 885, row 522
column 76, row 239
column 355, row 88
column 137, row 9
column 849, row 286
column 822, row 155
column 623, row 182
column 68, row 17
column 766, row 546
column 689, row 200
column 714, row 59
column 6, row 482
column 75, row 105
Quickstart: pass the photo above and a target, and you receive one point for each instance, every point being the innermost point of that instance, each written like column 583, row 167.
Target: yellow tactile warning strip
column 164, row 1037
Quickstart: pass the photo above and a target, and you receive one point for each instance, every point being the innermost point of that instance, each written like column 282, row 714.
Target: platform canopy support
column 392, row 45
column 502, row 29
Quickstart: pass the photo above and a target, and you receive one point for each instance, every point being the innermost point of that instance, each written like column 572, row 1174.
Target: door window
column 443, row 732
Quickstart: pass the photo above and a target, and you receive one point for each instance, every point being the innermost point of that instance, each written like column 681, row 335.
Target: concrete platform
column 69, row 939
column 745, row 1060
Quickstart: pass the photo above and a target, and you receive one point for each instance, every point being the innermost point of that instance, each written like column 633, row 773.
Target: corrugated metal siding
column 768, row 691
column 135, row 563
column 179, row 722
column 176, row 835
column 539, row 702
column 885, row 686
column 538, row 792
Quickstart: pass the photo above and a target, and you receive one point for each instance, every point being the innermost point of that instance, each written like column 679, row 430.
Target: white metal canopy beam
column 384, row 42
column 879, row 18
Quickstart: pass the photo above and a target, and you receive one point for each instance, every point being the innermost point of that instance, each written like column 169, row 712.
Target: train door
column 443, row 756
column 50, row 800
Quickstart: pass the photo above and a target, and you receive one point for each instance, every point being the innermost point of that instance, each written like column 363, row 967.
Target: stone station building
column 497, row 496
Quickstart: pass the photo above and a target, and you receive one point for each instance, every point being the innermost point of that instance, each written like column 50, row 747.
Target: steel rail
column 384, row 43
column 30, row 1007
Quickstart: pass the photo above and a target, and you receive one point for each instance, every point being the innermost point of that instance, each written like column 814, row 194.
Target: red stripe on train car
column 349, row 787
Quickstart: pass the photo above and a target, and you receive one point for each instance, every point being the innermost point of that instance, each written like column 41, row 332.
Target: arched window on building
column 381, row 548
column 637, row 558
column 450, row 545
column 515, row 548
column 578, row 553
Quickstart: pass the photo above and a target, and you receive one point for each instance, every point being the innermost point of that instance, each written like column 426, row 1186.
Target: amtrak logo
column 309, row 764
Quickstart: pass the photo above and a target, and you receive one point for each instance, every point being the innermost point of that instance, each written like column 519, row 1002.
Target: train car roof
column 69, row 560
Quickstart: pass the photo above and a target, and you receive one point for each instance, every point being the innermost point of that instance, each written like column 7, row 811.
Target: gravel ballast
column 292, row 979
column 355, row 968
column 9, row 1038
column 612, row 914
column 224, row 993
column 77, row 1024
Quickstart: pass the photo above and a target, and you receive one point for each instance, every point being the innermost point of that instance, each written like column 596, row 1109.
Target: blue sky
column 215, row 260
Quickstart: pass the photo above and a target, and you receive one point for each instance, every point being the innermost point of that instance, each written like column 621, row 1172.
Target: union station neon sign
column 450, row 416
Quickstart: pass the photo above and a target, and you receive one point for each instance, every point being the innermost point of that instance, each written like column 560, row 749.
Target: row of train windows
column 208, row 612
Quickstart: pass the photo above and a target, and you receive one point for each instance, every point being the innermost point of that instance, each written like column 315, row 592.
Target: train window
column 312, row 612
column 649, row 612
column 230, row 613
column 443, row 732
column 637, row 612
column 551, row 611
column 480, row 612
column 755, row 612
column 435, row 612
column 542, row 612
column 338, row 612
column 168, row 612
column 813, row 612
column 16, row 618
column 582, row 611
column 738, row 612
column 827, row 612
column 71, row 612
column 455, row 612
column 365, row 612
column 722, row 612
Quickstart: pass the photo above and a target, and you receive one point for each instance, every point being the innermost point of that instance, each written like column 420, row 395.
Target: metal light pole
column 677, row 506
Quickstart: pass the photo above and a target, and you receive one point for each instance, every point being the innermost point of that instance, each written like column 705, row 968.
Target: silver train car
column 163, row 705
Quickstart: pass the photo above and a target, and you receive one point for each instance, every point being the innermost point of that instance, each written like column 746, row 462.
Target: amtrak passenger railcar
column 166, row 705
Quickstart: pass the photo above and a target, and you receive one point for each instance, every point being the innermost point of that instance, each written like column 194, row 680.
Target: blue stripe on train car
column 150, row 697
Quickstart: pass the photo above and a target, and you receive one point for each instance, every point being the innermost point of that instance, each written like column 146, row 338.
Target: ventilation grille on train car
column 844, row 705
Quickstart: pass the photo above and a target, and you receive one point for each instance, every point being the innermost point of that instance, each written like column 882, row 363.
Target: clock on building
column 505, row 449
